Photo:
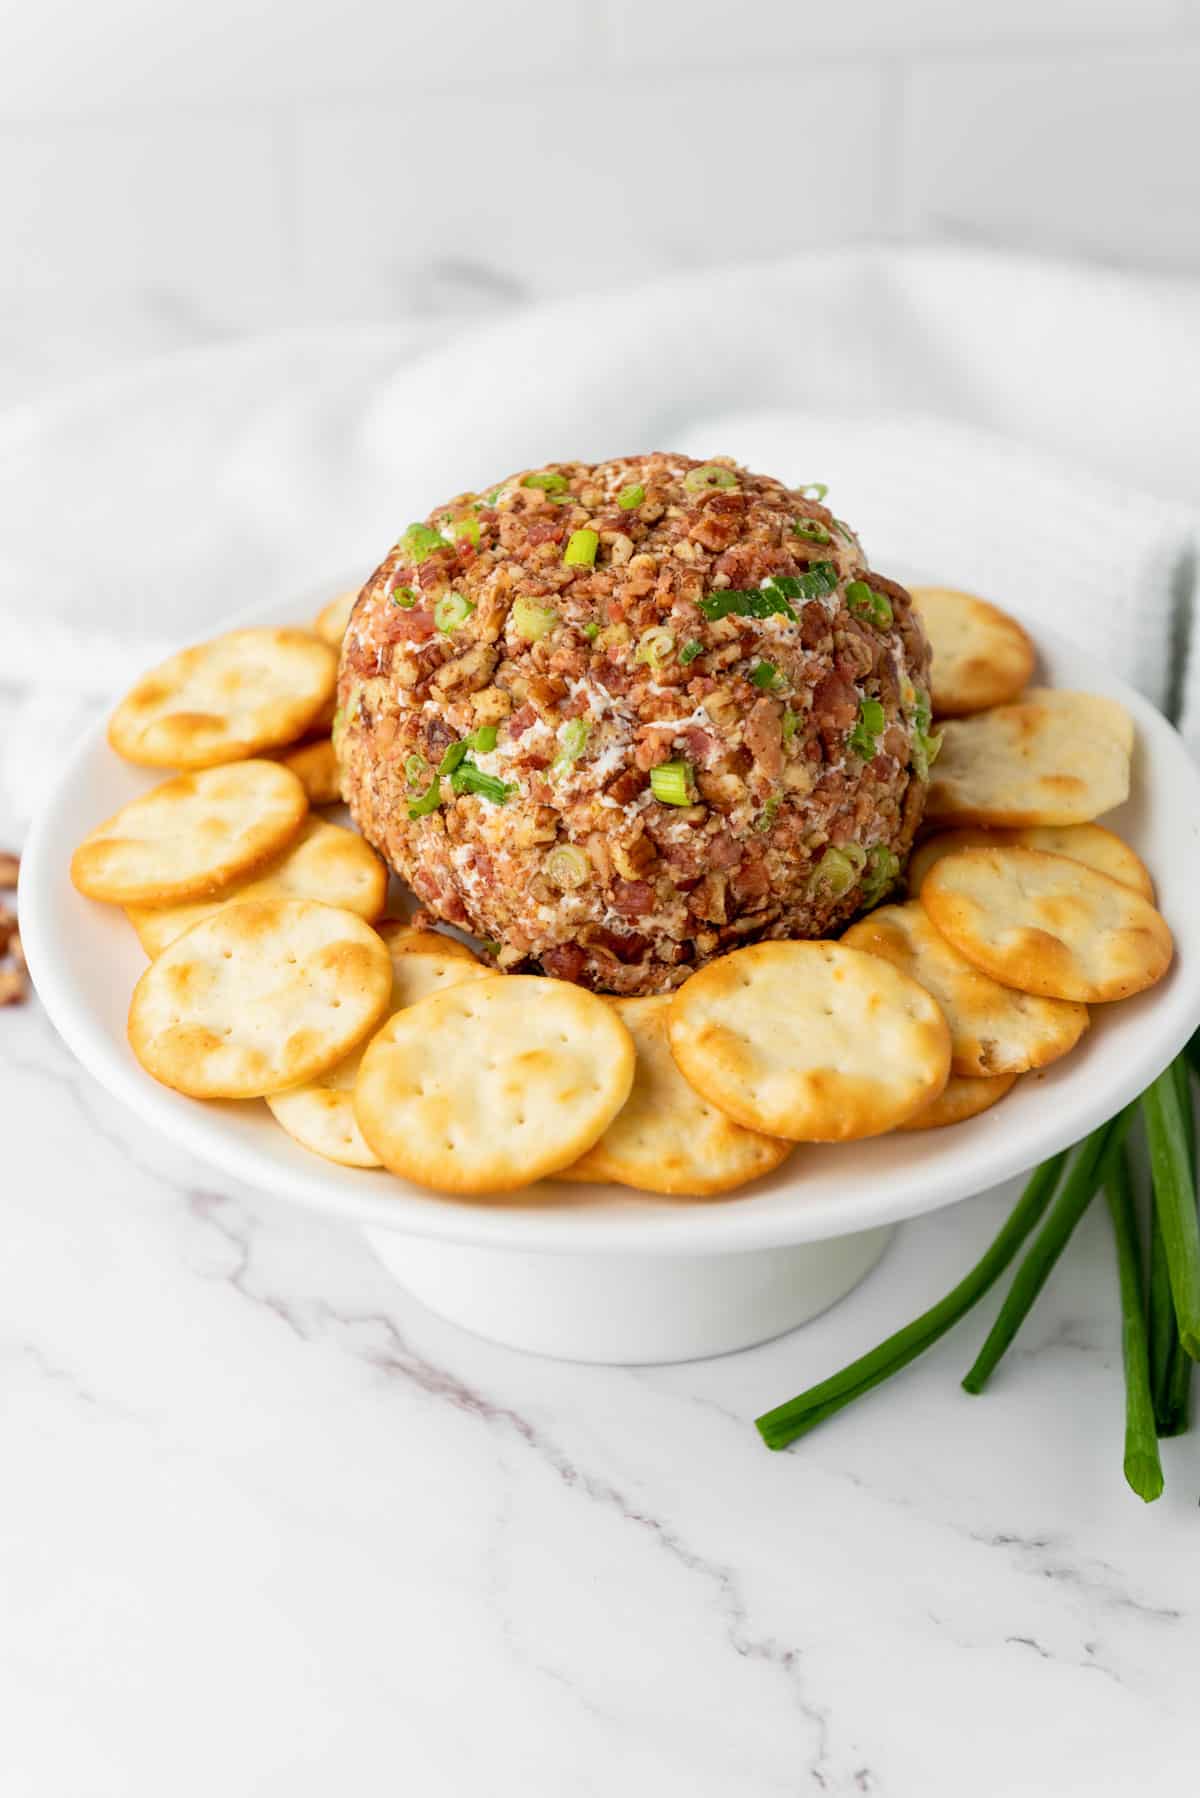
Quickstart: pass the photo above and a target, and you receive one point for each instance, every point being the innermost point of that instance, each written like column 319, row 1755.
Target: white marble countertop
column 268, row 1527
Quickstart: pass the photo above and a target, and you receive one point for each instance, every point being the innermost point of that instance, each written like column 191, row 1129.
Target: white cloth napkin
column 986, row 421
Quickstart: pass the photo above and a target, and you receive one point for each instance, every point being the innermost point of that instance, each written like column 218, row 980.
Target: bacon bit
column 626, row 786
column 521, row 720
column 814, row 626
column 438, row 737
column 764, row 736
column 632, row 898
column 835, row 702
column 723, row 851
column 566, row 961
column 545, row 533
column 720, row 521
column 611, row 676
column 699, row 744
column 399, row 626
column 626, row 947
column 750, row 881
column 688, row 855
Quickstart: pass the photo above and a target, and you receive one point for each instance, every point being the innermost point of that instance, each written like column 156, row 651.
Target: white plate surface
column 84, row 960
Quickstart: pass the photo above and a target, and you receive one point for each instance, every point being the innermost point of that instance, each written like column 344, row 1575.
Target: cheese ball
column 616, row 719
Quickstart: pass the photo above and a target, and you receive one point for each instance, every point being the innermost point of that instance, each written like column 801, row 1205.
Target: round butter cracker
column 223, row 700
column 1088, row 843
column 325, row 863
column 263, row 995
column 981, row 656
column 490, row 1086
column 811, row 1041
column 320, row 1114
column 1047, row 925
column 666, row 1138
column 964, row 1097
column 993, row 1029
column 192, row 836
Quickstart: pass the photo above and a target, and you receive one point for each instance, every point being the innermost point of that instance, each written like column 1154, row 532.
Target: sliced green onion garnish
column 483, row 739
column 453, row 756
column 531, row 621
column 774, row 595
column 654, row 646
column 549, row 483
column 632, row 496
column 812, row 490
column 766, row 676
column 883, row 867
column 690, row 651
column 791, row 724
column 837, row 871
column 405, row 597
column 704, row 479
column 811, row 529
column 572, row 741
column 416, row 769
column 671, row 783
column 867, row 726
column 814, row 583
column 467, row 778
column 567, row 867
column 466, row 527
column 420, row 541
column 429, row 801
column 451, row 610
column 844, row 530
column 591, row 632
column 766, row 817
column 926, row 742
column 864, row 602
column 735, row 603
column 581, row 549
column 489, row 499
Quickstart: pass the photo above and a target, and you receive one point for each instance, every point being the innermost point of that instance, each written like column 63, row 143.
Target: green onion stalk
column 1171, row 1168
column 1079, row 1189
column 787, row 1422
column 1143, row 1468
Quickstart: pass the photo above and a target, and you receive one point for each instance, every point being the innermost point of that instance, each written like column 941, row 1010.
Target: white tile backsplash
column 170, row 171
column 589, row 185
column 62, row 58
column 718, row 32
column 1097, row 156
column 190, row 217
